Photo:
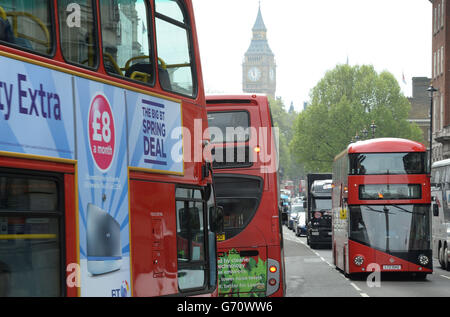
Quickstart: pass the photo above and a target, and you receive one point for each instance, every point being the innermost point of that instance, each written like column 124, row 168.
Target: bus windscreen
column 391, row 227
column 387, row 163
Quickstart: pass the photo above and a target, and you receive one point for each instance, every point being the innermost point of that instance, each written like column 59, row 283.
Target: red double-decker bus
column 99, row 192
column 381, row 208
column 251, row 255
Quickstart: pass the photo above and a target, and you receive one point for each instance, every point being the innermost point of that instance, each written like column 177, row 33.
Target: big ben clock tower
column 259, row 69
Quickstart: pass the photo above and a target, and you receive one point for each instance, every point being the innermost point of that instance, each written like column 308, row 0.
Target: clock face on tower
column 254, row 74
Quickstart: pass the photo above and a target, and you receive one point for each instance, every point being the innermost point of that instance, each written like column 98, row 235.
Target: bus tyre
column 441, row 256
column 420, row 276
column 445, row 258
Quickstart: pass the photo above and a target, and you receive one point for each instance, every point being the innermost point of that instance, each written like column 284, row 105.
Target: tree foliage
column 346, row 101
column 284, row 121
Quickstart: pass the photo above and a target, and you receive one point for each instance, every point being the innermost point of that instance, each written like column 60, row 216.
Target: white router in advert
column 104, row 252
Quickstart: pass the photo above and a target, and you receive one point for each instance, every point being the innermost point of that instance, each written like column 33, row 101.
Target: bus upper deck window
column 77, row 27
column 27, row 24
column 175, row 65
column 126, row 50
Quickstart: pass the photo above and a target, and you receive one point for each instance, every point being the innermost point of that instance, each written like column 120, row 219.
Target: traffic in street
column 311, row 273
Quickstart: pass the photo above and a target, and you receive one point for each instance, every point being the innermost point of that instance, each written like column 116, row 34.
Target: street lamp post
column 431, row 91
column 373, row 127
column 365, row 133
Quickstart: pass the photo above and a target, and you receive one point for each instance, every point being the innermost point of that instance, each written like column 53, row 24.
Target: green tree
column 284, row 121
column 347, row 100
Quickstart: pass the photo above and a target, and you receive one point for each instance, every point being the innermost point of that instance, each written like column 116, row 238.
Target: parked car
column 293, row 215
column 300, row 223
column 291, row 221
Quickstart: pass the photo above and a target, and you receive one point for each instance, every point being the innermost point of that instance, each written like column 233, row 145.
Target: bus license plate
column 392, row 267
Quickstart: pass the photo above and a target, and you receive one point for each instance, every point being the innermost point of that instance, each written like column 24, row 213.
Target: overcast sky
column 309, row 38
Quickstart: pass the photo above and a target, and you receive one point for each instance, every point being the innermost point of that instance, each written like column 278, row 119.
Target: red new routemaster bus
column 98, row 193
column 381, row 208
column 251, row 256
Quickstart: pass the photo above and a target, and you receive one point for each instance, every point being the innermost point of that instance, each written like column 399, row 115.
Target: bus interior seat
column 139, row 67
column 6, row 32
column 7, row 35
column 164, row 78
column 23, row 42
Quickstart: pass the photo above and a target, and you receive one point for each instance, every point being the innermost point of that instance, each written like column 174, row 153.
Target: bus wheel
column 441, row 256
column 445, row 258
column 420, row 276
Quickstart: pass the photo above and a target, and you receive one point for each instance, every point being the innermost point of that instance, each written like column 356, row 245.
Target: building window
column 442, row 14
column 439, row 18
column 442, row 60
column 438, row 64
column 435, row 116
column 434, row 65
column 434, row 20
column 442, row 113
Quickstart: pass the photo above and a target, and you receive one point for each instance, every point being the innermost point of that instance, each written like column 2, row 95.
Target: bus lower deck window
column 30, row 245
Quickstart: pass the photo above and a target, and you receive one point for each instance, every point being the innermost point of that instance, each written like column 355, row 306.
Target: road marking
column 447, row 277
column 297, row 239
column 356, row 287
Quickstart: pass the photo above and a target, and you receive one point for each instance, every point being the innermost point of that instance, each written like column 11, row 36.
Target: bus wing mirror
column 435, row 210
column 218, row 226
column 304, row 204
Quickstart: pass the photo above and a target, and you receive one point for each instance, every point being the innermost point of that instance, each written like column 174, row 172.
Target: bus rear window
column 232, row 157
column 387, row 163
column 229, row 126
column 27, row 24
column 240, row 197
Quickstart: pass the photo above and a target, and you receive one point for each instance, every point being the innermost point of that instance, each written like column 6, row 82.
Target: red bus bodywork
column 151, row 202
column 346, row 195
column 258, row 246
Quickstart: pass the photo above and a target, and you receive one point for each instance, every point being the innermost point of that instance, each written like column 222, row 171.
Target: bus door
column 439, row 200
column 170, row 240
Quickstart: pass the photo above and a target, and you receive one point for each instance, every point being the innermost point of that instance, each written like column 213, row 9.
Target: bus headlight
column 423, row 260
column 358, row 260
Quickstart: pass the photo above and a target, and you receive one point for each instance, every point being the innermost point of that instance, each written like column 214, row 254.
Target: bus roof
column 227, row 98
column 387, row 145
